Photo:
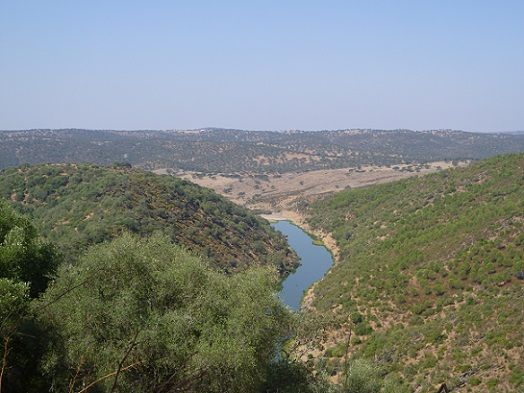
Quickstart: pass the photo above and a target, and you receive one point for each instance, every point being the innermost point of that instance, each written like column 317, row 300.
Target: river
column 315, row 261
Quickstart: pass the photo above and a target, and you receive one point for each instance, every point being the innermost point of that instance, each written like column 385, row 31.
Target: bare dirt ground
column 277, row 194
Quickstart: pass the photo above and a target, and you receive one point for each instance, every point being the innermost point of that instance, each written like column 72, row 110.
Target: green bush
column 337, row 351
column 157, row 316
column 361, row 377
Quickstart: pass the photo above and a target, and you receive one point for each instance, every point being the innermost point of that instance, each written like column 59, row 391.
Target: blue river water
column 315, row 261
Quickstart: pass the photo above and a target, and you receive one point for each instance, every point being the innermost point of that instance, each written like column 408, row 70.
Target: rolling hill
column 430, row 277
column 215, row 150
column 79, row 205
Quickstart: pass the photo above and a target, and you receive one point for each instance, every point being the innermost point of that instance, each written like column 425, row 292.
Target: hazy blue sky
column 262, row 64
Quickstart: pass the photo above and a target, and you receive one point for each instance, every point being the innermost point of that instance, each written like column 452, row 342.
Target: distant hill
column 222, row 150
column 79, row 205
column 431, row 276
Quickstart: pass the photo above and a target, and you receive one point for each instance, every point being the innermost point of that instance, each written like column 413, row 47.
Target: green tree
column 26, row 266
column 22, row 256
column 145, row 315
column 14, row 303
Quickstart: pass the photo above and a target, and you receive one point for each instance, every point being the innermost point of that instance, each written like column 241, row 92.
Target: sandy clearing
column 275, row 192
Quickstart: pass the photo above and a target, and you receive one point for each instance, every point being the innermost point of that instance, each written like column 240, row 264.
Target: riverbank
column 303, row 292
column 327, row 241
column 300, row 220
column 315, row 262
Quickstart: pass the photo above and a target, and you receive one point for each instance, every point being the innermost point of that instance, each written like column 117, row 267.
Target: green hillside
column 431, row 276
column 79, row 205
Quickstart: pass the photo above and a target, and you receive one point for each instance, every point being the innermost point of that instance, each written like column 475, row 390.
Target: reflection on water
column 315, row 261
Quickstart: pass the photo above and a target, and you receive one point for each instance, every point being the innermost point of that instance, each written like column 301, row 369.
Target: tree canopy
column 148, row 316
column 26, row 266
column 23, row 257
column 78, row 205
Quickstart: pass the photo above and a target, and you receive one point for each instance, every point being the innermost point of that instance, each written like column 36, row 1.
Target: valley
column 430, row 299
column 422, row 254
column 261, row 197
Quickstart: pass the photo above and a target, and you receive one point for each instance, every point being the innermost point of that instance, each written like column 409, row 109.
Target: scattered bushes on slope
column 432, row 265
column 76, row 206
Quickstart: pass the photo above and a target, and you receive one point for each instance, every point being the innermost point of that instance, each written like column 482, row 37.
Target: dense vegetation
column 430, row 284
column 79, row 205
column 220, row 150
column 26, row 266
column 145, row 315
column 134, row 314
column 159, row 320
column 431, row 277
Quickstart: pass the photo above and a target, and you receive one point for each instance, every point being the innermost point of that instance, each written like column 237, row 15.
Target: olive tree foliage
column 144, row 315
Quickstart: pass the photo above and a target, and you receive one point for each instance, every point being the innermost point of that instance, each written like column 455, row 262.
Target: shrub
column 361, row 377
column 148, row 314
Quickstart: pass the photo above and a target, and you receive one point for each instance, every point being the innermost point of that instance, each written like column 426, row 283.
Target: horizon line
column 203, row 129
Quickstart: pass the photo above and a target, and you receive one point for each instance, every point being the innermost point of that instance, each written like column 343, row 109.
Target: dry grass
column 278, row 193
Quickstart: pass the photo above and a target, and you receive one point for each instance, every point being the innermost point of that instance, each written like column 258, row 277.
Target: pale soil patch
column 274, row 192
column 163, row 171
